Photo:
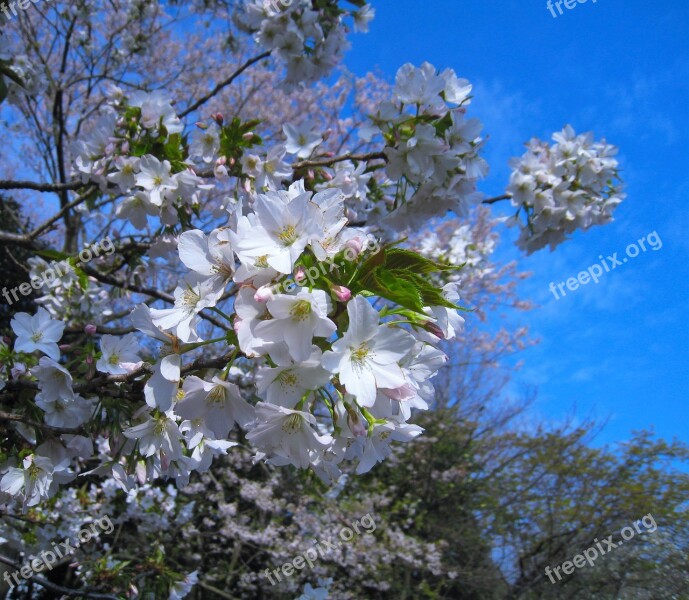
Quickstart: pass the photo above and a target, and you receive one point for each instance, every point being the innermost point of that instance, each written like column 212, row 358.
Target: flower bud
column 300, row 275
column 90, row 329
column 342, row 293
column 17, row 370
column 263, row 294
column 434, row 329
column 356, row 426
column 220, row 172
column 248, row 136
column 356, row 245
column 219, row 119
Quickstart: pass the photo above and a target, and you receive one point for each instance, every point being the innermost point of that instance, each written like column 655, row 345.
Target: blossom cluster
column 572, row 184
column 334, row 381
column 432, row 149
column 136, row 148
column 309, row 41
column 18, row 76
column 68, row 294
column 147, row 510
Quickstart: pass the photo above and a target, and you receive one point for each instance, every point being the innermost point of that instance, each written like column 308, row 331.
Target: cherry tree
column 227, row 248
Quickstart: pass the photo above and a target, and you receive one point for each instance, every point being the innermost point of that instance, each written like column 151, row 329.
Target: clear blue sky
column 618, row 350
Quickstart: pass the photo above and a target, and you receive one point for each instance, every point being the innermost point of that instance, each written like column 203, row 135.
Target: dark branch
column 223, row 84
column 48, row 585
column 497, row 199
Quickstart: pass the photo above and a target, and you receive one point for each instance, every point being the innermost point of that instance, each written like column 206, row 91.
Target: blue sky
column 618, row 350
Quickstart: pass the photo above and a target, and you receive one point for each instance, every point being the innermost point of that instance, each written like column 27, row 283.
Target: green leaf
column 173, row 148
column 399, row 290
column 399, row 258
column 83, row 278
column 52, row 254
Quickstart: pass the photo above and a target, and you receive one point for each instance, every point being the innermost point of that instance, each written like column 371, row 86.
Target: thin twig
column 497, row 199
column 22, row 419
column 223, row 84
column 72, row 593
column 326, row 162
column 40, row 187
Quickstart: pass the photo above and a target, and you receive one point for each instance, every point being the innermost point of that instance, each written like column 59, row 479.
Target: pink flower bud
column 219, row 119
column 434, row 329
column 263, row 294
column 125, row 148
column 327, row 134
column 220, row 172
column 327, row 176
column 300, row 275
column 247, row 136
column 17, row 370
column 356, row 245
column 89, row 360
column 90, row 329
column 342, row 293
column 356, row 426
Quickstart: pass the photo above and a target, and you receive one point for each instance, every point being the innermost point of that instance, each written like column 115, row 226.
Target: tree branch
column 326, row 162
column 22, row 419
column 223, row 84
column 58, row 588
column 497, row 199
column 41, row 187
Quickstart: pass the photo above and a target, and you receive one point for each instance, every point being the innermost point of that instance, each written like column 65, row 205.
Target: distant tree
column 13, row 264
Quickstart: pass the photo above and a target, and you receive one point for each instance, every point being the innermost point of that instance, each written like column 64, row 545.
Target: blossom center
column 159, row 427
column 359, row 354
column 292, row 424
column 216, row 395
column 288, row 235
column 190, row 298
column 301, row 310
column 33, row 472
column 287, row 379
